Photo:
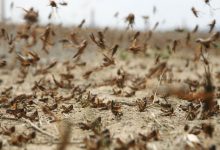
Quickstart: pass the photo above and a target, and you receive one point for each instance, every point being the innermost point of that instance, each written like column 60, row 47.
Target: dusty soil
column 135, row 106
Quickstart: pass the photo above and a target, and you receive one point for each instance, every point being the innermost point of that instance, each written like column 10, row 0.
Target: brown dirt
column 170, row 126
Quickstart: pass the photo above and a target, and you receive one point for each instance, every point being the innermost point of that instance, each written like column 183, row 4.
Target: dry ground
column 164, row 122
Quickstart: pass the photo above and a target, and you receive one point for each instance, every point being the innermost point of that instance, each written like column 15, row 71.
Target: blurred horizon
column 170, row 14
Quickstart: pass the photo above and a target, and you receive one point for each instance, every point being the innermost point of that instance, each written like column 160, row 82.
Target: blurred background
column 101, row 13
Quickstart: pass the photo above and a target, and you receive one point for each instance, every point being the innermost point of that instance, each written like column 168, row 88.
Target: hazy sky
column 170, row 13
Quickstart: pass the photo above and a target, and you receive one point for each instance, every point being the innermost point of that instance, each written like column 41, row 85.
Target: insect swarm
column 90, row 87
